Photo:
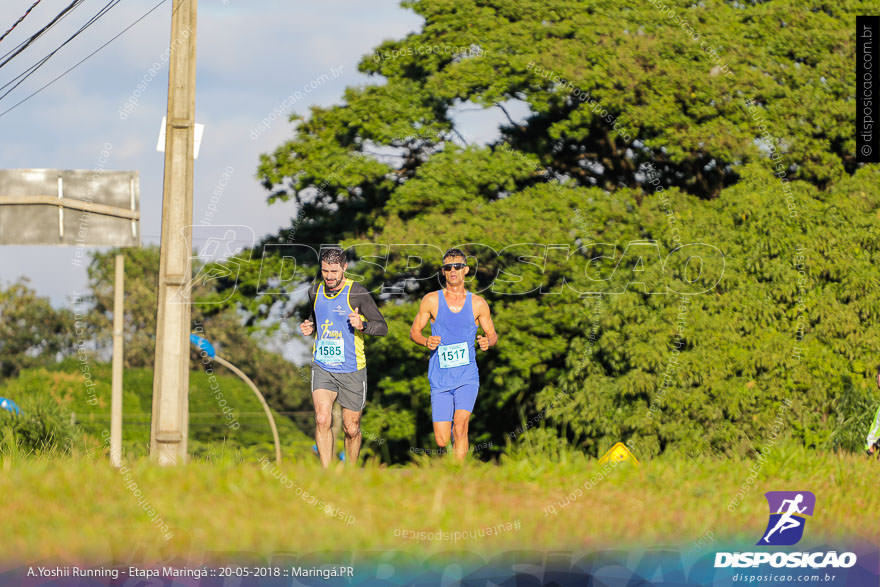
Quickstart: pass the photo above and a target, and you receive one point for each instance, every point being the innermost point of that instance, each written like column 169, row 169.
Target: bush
column 541, row 445
column 42, row 427
column 854, row 408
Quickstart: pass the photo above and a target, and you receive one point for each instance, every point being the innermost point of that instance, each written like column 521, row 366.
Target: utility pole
column 170, row 420
column 118, row 351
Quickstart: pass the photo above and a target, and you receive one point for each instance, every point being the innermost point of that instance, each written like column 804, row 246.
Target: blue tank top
column 338, row 347
column 454, row 362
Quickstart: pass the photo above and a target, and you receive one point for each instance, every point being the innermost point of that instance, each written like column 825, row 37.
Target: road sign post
column 118, row 342
column 83, row 208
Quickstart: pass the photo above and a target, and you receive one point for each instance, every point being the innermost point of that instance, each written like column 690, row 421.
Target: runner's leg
column 351, row 421
column 442, row 432
column 464, row 399
column 789, row 525
column 323, row 400
column 460, row 430
column 778, row 525
column 441, row 414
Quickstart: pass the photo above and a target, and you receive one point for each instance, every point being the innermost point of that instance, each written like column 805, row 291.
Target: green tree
column 32, row 332
column 732, row 131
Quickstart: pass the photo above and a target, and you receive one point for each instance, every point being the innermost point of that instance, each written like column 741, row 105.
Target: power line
column 27, row 42
column 33, row 68
column 18, row 22
column 81, row 61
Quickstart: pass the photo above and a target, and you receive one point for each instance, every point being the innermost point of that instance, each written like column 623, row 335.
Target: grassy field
column 222, row 506
column 228, row 500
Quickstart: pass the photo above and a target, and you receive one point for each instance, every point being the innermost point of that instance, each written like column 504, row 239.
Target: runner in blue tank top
column 454, row 314
column 342, row 311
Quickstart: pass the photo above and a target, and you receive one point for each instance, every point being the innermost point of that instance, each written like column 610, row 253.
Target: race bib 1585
column 330, row 350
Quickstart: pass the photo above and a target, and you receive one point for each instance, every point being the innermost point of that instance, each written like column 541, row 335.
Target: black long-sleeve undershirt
column 360, row 298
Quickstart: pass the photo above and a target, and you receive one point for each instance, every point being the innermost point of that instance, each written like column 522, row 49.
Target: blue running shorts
column 444, row 403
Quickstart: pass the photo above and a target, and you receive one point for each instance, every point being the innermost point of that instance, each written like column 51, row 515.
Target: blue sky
column 251, row 57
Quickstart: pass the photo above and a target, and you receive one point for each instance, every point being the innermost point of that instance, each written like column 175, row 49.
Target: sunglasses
column 451, row 266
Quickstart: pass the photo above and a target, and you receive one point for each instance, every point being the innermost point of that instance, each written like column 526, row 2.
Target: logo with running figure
column 788, row 511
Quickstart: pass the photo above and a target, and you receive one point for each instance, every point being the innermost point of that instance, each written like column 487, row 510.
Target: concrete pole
column 116, row 390
column 170, row 420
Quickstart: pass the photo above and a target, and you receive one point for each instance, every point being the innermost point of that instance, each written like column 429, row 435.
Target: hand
column 433, row 342
column 870, row 450
column 483, row 342
column 307, row 327
column 355, row 319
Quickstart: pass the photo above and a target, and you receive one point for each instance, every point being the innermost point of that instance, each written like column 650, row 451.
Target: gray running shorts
column 351, row 388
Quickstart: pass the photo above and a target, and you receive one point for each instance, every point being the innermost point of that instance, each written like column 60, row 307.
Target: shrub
column 42, row 427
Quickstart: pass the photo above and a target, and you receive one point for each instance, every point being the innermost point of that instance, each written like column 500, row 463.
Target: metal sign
column 617, row 454
column 79, row 207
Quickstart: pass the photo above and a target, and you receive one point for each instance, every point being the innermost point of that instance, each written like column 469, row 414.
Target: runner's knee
column 352, row 429
column 323, row 420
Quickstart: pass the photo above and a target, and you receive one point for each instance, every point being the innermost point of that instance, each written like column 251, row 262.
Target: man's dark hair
column 454, row 253
column 334, row 255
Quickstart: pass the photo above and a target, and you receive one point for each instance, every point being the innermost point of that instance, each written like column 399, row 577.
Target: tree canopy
column 31, row 330
column 676, row 241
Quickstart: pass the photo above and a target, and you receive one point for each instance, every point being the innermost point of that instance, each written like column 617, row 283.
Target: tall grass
column 43, row 427
column 225, row 502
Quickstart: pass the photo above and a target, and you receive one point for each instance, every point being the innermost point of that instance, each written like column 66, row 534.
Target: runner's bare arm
column 484, row 319
column 427, row 308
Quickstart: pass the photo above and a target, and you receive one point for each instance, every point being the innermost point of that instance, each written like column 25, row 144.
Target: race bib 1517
column 453, row 355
